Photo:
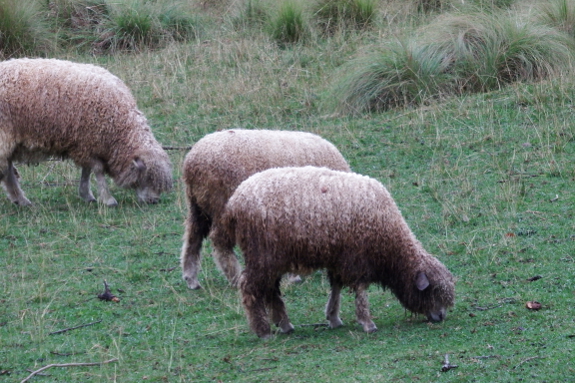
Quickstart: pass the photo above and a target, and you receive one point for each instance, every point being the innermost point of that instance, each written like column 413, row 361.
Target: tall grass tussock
column 23, row 29
column 558, row 14
column 458, row 53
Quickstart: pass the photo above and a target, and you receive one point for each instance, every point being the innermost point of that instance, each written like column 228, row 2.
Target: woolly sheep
column 59, row 109
column 218, row 163
column 301, row 219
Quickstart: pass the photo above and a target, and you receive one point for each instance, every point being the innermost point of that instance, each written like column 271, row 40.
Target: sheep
column 60, row 109
column 218, row 163
column 297, row 220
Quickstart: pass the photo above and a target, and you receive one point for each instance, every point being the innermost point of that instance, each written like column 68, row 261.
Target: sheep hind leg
column 362, row 310
column 253, row 299
column 12, row 186
column 333, row 304
column 224, row 255
column 278, row 310
column 197, row 228
column 84, row 188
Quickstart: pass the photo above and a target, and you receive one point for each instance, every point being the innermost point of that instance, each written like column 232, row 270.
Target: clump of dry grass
column 458, row 53
column 490, row 50
column 558, row 14
column 399, row 75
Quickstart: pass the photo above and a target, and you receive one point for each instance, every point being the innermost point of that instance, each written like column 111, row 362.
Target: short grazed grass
column 484, row 181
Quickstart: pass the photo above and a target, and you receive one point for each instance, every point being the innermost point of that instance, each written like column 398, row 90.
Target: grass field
column 484, row 181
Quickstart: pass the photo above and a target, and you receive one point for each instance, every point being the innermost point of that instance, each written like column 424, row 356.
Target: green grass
column 484, row 181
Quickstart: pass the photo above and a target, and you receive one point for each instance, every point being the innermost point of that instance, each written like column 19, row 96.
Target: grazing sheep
column 218, row 163
column 60, row 109
column 301, row 219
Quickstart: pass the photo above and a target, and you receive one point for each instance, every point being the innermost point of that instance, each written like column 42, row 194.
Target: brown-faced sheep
column 301, row 219
column 60, row 109
column 218, row 163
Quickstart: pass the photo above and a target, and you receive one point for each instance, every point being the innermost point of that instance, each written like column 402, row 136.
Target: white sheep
column 218, row 163
column 60, row 109
column 296, row 220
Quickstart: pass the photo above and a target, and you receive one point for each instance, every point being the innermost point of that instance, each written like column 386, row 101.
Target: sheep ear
column 421, row 281
column 139, row 164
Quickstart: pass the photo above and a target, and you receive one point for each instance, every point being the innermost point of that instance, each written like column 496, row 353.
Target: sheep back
column 220, row 161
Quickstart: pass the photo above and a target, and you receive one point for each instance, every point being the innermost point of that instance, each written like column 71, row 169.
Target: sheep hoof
column 23, row 202
column 287, row 329
column 265, row 336
column 294, row 278
column 369, row 328
column 335, row 323
column 192, row 285
column 111, row 202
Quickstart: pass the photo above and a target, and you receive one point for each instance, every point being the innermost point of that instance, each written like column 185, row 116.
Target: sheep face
column 432, row 293
column 150, row 173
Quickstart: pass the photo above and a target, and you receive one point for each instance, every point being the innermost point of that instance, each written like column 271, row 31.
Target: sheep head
column 430, row 290
column 150, row 173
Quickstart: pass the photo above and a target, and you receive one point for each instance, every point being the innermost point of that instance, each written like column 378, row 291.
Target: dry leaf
column 533, row 305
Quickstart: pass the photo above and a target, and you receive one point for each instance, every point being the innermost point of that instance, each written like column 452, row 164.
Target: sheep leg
column 197, row 228
column 104, row 195
column 12, row 186
column 84, row 189
column 333, row 303
column 294, row 278
column 253, row 299
column 362, row 309
column 226, row 259
column 278, row 310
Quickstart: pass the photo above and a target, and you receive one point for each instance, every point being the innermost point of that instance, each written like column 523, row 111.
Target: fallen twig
column 259, row 369
column 74, row 328
column 446, row 365
column 486, row 357
column 487, row 308
column 66, row 354
column 67, row 365
column 176, row 147
column 39, row 374
column 502, row 302
column 528, row 359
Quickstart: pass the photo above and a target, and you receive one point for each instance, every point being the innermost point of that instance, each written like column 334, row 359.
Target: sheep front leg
column 278, row 310
column 333, row 303
column 197, row 228
column 253, row 299
column 84, row 189
column 104, row 195
column 362, row 310
column 10, row 180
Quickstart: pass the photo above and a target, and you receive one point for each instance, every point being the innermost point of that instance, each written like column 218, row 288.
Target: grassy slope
column 473, row 177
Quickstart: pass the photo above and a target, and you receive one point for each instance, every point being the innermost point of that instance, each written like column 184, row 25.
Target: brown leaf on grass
column 533, row 305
